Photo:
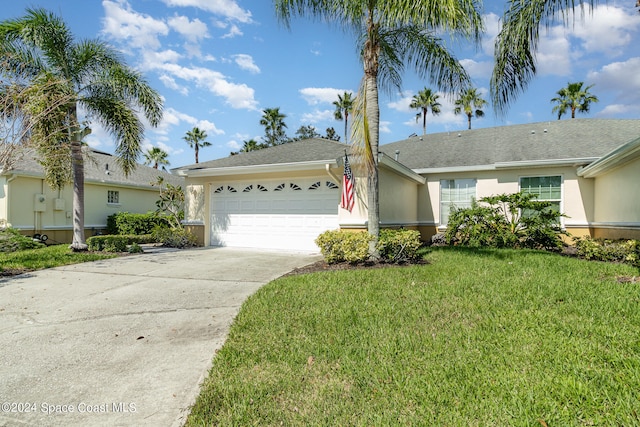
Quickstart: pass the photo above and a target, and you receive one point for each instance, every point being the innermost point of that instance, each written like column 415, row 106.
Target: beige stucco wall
column 577, row 194
column 617, row 202
column 29, row 216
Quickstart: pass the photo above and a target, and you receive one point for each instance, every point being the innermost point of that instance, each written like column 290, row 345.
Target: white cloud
column 174, row 118
column 236, row 95
column 153, row 59
column 317, row 116
column 234, row 31
column 384, row 127
column 124, row 24
column 245, row 62
column 193, row 31
column 234, row 145
column 226, row 8
column 477, row 70
column 318, row 95
column 621, row 78
column 171, row 83
column 402, row 104
column 554, row 53
column 209, row 127
column 607, row 29
column 492, row 28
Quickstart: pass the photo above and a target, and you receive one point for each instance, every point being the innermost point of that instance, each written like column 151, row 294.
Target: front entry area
column 273, row 214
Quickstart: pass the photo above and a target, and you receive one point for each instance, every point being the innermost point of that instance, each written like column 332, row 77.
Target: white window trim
column 562, row 196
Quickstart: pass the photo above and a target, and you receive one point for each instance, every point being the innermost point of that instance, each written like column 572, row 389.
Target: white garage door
column 283, row 214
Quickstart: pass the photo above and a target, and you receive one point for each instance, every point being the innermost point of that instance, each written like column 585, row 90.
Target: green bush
column 175, row 237
column 135, row 248
column 117, row 243
column 11, row 240
column 340, row 246
column 353, row 247
column 506, row 221
column 125, row 223
column 399, row 245
column 627, row 251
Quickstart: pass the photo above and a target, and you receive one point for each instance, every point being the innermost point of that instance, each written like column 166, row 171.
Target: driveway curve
column 125, row 341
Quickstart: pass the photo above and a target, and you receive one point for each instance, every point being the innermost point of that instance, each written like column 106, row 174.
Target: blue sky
column 218, row 63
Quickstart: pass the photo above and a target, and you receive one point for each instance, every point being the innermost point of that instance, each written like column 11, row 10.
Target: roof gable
column 579, row 140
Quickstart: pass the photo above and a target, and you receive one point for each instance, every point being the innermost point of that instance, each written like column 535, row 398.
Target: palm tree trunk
column 373, row 119
column 346, row 119
column 424, row 121
column 469, row 120
column 196, row 147
column 77, row 171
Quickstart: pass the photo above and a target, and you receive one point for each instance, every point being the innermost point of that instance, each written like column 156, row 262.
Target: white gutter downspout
column 11, row 178
column 327, row 167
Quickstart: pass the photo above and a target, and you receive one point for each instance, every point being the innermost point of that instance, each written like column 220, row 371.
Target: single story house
column 284, row 196
column 28, row 204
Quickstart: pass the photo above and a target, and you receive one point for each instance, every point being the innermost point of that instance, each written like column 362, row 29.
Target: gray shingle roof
column 554, row 140
column 307, row 150
column 95, row 170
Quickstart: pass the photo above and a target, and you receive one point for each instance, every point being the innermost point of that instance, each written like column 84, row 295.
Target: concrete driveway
column 125, row 341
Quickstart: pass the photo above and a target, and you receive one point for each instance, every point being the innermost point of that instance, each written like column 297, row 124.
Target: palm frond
column 361, row 135
column 517, row 44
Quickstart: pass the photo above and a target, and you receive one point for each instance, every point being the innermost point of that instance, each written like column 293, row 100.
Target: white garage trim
column 275, row 214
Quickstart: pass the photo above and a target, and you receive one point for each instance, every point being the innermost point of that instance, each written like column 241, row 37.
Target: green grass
column 476, row 338
column 51, row 256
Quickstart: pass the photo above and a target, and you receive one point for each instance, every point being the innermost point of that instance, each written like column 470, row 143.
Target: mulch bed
column 324, row 266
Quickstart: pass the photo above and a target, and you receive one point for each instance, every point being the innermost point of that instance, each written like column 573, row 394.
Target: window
column 547, row 188
column 113, row 197
column 248, row 189
column 456, row 193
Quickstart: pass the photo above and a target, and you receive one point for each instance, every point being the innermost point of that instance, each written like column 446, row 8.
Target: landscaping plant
column 507, row 221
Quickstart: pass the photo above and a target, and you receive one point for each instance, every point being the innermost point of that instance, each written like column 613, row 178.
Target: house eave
column 574, row 162
column 401, row 169
column 255, row 169
column 616, row 158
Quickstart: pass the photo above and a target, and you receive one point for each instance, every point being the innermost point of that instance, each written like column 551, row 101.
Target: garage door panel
column 285, row 219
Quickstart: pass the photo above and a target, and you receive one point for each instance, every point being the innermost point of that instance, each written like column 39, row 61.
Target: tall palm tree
column 391, row 34
column 251, row 145
column 575, row 98
column 196, row 140
column 470, row 103
column 156, row 156
column 517, row 43
column 424, row 100
column 343, row 105
column 274, row 125
column 40, row 44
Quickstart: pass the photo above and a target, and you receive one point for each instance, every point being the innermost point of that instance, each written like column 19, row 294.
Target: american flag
column 348, row 187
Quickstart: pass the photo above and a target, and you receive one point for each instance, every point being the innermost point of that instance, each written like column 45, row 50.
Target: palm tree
column 274, row 125
column 424, row 100
column 573, row 97
column 517, row 43
column 391, row 34
column 251, row 145
column 156, row 156
column 196, row 140
column 41, row 46
column 470, row 103
column 343, row 105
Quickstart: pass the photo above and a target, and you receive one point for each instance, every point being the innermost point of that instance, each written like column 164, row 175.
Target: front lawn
column 476, row 338
column 50, row 256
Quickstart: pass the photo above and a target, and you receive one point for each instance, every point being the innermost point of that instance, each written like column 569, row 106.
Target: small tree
column 470, row 103
column 170, row 203
column 306, row 132
column 332, row 134
column 156, row 156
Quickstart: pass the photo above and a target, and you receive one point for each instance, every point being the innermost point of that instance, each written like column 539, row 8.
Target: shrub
column 175, row 237
column 627, row 251
column 135, row 248
column 399, row 245
column 11, row 240
column 340, row 246
column 507, row 220
column 116, row 243
column 125, row 223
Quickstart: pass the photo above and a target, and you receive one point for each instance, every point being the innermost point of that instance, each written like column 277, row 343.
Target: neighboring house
column 30, row 205
column 284, row 196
